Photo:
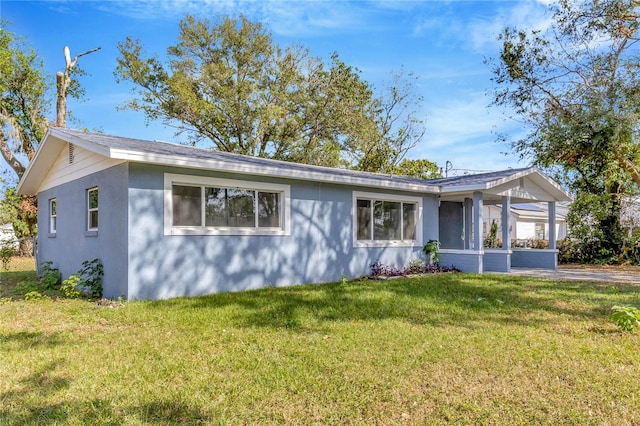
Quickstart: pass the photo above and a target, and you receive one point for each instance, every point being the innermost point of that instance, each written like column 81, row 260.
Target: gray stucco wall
column 318, row 249
column 72, row 244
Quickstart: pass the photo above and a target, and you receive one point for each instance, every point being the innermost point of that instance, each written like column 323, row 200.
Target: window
column 209, row 206
column 382, row 220
column 53, row 214
column 92, row 209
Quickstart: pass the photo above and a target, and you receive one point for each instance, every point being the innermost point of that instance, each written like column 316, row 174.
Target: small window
column 53, row 214
column 381, row 220
column 210, row 206
column 92, row 209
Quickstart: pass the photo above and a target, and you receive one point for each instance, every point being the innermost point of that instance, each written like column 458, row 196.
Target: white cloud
column 530, row 15
column 464, row 131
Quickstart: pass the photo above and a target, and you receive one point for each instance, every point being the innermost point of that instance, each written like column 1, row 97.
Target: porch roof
column 523, row 185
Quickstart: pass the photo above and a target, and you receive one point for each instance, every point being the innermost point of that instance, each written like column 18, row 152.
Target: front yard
column 451, row 348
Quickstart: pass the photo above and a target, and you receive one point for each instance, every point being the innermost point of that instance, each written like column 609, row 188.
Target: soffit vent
column 71, row 149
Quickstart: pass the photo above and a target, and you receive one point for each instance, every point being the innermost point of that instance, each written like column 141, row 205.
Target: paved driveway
column 583, row 274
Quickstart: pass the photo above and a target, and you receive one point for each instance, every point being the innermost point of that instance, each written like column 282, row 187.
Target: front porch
column 461, row 232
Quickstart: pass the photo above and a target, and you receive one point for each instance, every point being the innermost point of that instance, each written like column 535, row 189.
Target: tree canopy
column 576, row 86
column 23, row 104
column 228, row 83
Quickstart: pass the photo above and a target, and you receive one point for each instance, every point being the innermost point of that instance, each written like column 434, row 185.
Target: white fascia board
column 89, row 146
column 46, row 152
column 219, row 165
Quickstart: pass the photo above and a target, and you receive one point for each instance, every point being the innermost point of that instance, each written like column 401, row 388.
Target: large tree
column 228, row 83
column 576, row 85
column 22, row 115
column 24, row 104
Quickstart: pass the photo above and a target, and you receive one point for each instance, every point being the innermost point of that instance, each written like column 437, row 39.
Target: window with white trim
column 53, row 215
column 381, row 220
column 210, row 206
column 92, row 209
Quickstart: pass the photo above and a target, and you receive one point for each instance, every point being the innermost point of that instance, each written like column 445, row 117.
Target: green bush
column 91, row 277
column 626, row 317
column 71, row 287
column 49, row 276
column 35, row 295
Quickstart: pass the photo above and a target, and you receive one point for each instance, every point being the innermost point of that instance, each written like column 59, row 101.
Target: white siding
column 84, row 163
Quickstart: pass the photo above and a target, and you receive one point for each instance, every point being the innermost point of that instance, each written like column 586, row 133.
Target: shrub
column 35, row 295
column 626, row 317
column 380, row 270
column 6, row 253
column 49, row 276
column 430, row 251
column 91, row 277
column 87, row 281
column 491, row 240
column 71, row 287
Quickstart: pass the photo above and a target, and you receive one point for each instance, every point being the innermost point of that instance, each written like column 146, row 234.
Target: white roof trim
column 29, row 182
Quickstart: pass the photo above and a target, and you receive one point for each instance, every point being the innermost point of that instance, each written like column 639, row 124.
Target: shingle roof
column 479, row 178
column 117, row 143
column 171, row 154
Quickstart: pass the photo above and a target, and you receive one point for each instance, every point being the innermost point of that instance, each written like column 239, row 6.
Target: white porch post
column 552, row 225
column 506, row 223
column 477, row 220
column 468, row 220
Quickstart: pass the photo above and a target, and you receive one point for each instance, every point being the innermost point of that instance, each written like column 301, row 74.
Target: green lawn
column 454, row 348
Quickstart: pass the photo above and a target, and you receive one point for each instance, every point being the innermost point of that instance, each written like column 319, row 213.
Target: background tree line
column 576, row 87
column 228, row 86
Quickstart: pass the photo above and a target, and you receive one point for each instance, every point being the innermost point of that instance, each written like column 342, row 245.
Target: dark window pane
column 409, row 221
column 268, row 210
column 93, row 219
column 364, row 219
column 93, row 198
column 387, row 220
column 240, row 208
column 216, row 207
column 187, row 205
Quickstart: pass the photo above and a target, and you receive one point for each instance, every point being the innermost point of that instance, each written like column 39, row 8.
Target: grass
column 453, row 348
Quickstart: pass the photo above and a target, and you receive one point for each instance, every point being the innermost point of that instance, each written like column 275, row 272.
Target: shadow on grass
column 27, row 340
column 28, row 402
column 466, row 300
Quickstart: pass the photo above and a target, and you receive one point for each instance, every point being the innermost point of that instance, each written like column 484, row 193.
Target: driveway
column 584, row 273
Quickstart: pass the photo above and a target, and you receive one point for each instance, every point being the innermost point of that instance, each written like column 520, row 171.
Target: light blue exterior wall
column 497, row 260
column 72, row 244
column 318, row 249
column 463, row 260
column 532, row 258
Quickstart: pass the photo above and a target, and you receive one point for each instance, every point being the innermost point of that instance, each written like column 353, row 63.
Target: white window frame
column 171, row 179
column 53, row 216
column 376, row 196
column 91, row 210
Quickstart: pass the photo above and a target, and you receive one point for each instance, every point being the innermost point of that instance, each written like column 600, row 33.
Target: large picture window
column 381, row 220
column 197, row 205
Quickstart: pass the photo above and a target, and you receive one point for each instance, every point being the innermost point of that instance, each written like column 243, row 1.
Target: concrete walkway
column 582, row 274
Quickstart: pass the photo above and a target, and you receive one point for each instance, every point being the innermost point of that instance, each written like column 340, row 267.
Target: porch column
column 506, row 223
column 468, row 220
column 477, row 221
column 552, row 225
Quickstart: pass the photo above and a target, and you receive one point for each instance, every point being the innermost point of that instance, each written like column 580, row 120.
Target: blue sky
column 444, row 43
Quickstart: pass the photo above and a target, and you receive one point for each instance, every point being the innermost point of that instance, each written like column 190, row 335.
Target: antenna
column 448, row 166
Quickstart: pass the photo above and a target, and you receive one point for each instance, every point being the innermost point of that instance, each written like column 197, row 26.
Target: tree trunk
column 26, row 247
column 62, row 84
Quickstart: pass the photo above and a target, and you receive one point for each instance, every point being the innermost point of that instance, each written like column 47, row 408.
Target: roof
column 170, row 154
